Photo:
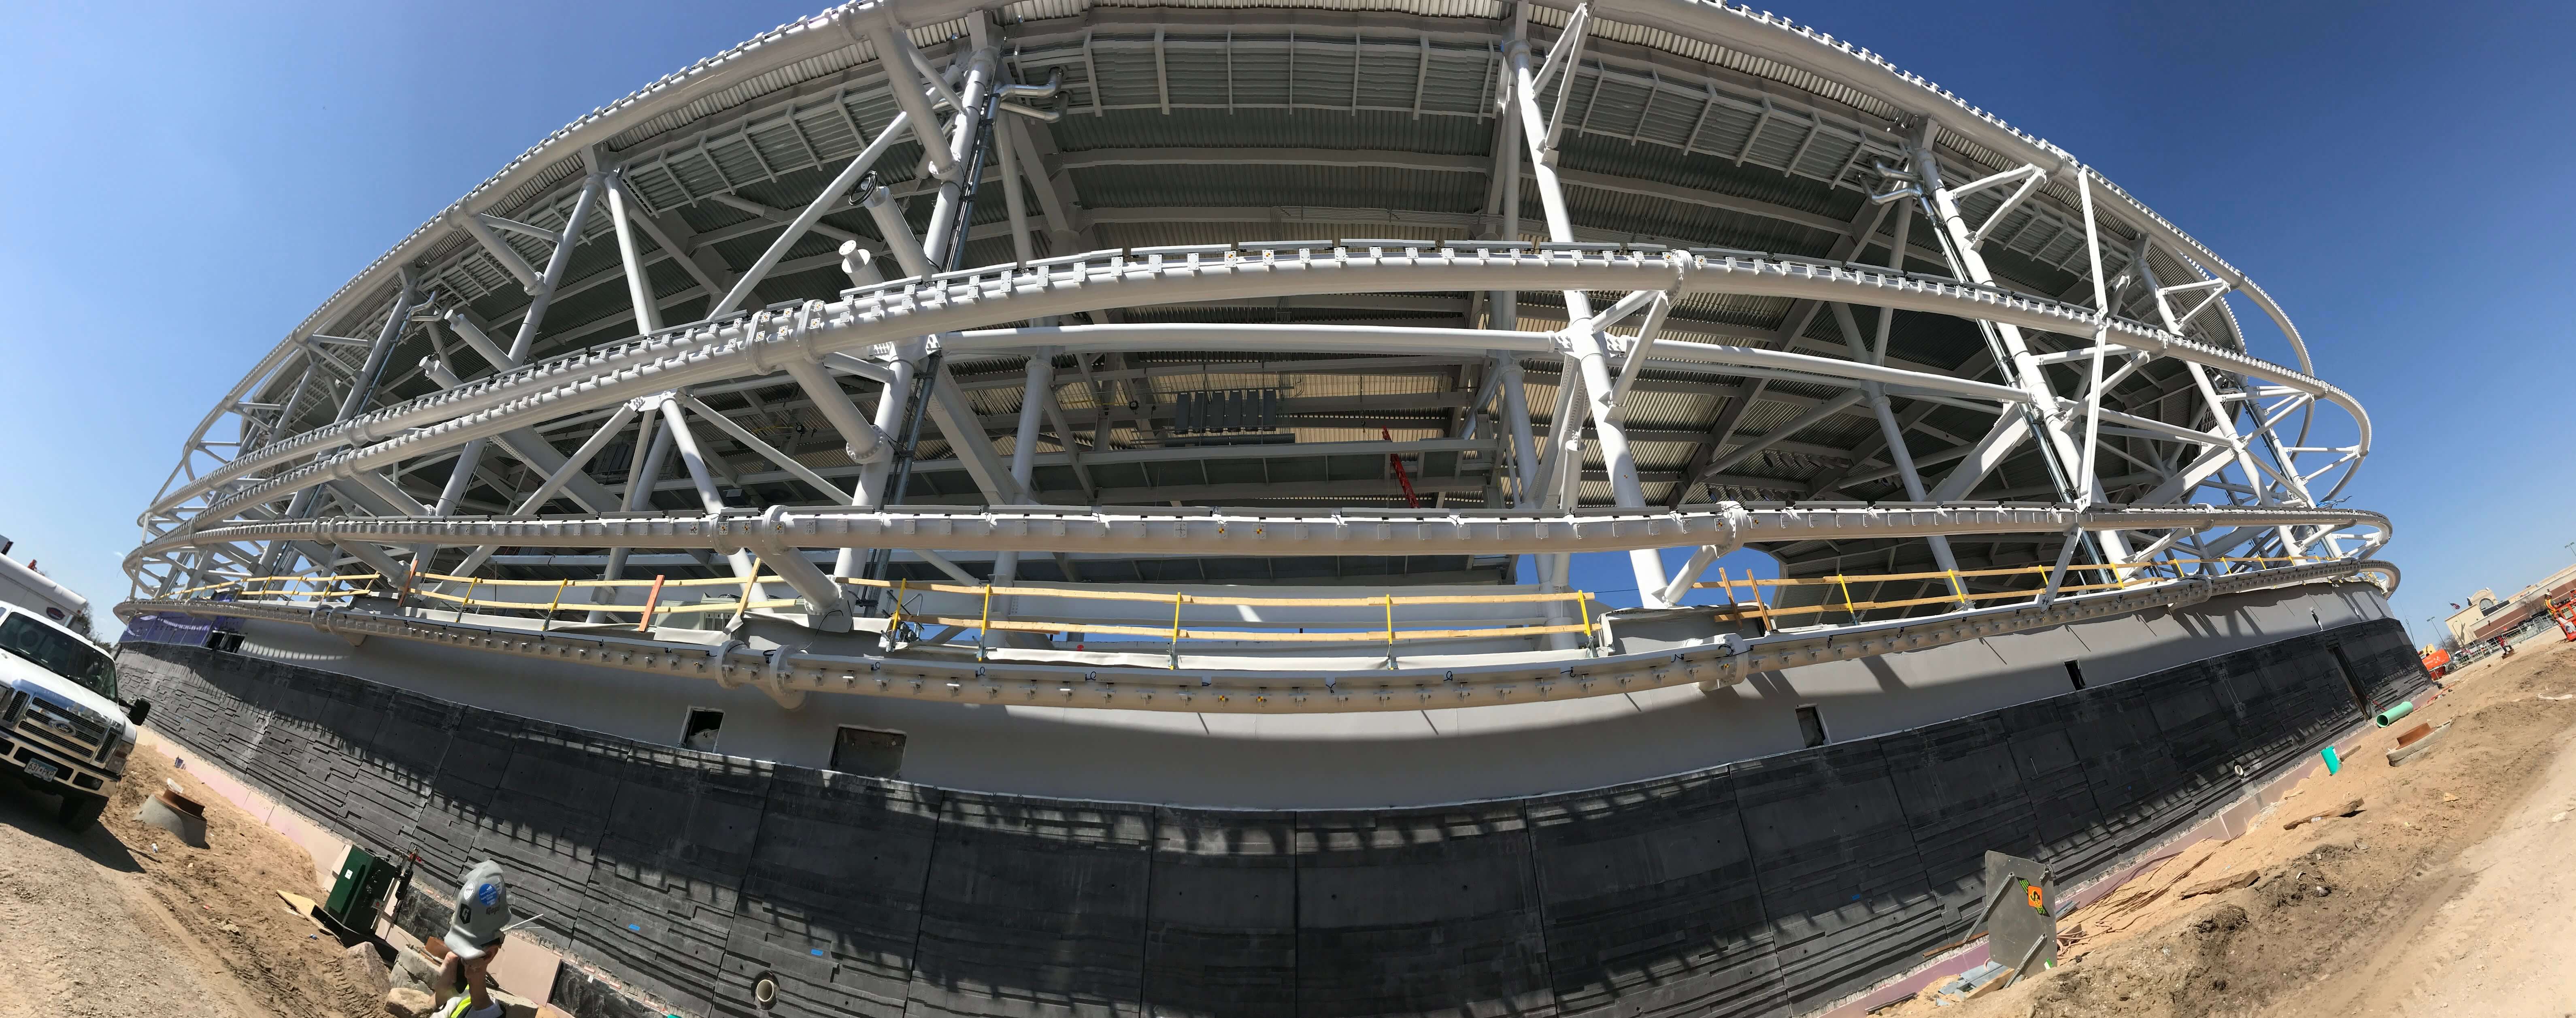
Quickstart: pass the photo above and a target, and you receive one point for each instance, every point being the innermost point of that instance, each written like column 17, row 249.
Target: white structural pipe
column 535, row 451
column 1892, row 434
column 903, row 309
column 1585, row 354
column 860, row 438
column 558, row 479
column 962, row 133
column 895, row 57
column 1272, row 532
column 630, row 257
column 900, row 242
column 364, row 384
column 1744, row 30
column 652, row 452
column 2055, row 424
column 474, row 336
column 1516, row 420
column 552, row 280
column 893, row 403
column 1034, row 395
column 811, row 214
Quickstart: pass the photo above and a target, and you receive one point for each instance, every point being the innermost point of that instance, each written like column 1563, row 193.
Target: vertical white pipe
column 652, row 451
column 870, row 491
column 1034, row 394
column 961, row 146
column 1587, row 354
column 639, row 287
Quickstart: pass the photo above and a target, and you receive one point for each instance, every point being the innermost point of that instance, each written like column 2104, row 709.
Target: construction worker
column 473, row 937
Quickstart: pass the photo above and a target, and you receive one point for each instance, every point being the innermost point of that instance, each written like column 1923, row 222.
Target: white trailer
column 38, row 593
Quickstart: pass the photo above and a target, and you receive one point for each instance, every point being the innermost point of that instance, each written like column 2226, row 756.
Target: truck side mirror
column 140, row 710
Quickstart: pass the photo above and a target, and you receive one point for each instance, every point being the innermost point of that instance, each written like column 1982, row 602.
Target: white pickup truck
column 62, row 728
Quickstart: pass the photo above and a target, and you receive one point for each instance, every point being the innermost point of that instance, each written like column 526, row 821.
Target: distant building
column 2485, row 616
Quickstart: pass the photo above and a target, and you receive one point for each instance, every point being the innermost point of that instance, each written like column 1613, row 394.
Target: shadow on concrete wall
column 1768, row 887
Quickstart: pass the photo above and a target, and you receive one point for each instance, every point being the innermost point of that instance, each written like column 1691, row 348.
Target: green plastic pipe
column 2389, row 717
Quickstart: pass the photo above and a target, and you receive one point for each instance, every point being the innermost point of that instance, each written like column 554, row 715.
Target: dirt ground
column 2452, row 890
column 124, row 920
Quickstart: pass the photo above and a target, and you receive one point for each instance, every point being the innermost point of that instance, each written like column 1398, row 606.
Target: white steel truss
column 1196, row 399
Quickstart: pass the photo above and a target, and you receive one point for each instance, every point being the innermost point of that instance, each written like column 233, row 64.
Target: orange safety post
column 645, row 623
column 750, row 586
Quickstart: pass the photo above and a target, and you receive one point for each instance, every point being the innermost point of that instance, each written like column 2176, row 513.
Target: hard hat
column 482, row 909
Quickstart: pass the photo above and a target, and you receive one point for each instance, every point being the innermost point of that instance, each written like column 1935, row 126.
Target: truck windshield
column 58, row 652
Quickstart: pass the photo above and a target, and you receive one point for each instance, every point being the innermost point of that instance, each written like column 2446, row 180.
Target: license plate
column 42, row 769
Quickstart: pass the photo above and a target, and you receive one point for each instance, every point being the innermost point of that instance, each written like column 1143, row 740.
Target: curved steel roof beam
column 912, row 307
column 847, row 26
column 1259, row 532
column 1773, row 37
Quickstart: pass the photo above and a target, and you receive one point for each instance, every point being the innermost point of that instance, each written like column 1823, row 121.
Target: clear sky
column 183, row 185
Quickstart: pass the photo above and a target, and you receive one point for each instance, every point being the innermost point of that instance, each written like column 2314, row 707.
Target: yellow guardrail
column 1766, row 612
column 323, row 587
column 1177, row 632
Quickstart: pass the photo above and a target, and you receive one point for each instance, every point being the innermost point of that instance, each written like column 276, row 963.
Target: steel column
column 553, row 278
column 639, row 287
column 2025, row 370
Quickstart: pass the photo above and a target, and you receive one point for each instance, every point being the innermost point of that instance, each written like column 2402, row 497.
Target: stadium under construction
column 1067, row 507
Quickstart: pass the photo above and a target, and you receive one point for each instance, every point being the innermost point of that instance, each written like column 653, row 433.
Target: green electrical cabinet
column 359, row 889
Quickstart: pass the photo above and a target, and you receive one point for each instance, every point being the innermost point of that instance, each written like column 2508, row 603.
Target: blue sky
column 184, row 185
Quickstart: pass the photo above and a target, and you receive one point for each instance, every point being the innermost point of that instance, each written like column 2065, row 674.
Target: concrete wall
column 1340, row 761
column 1770, row 886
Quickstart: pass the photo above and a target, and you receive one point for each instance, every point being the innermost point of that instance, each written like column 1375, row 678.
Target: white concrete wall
column 1350, row 760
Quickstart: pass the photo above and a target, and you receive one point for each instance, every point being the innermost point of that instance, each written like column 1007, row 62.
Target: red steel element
column 1397, row 461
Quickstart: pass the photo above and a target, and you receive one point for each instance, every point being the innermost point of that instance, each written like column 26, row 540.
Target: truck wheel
column 80, row 810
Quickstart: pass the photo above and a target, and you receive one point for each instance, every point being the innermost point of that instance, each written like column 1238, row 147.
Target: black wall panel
column 1836, row 862
column 1962, row 794
column 452, row 812
column 1416, row 911
column 2126, row 763
column 662, row 892
column 547, row 816
column 2201, row 734
column 393, row 777
column 1767, row 887
column 1221, row 915
column 2065, row 821
column 831, row 896
column 1033, row 908
column 1650, row 902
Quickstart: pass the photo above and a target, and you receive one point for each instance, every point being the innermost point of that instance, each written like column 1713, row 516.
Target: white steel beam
column 2025, row 372
column 813, row 212
column 535, row 315
column 964, row 430
column 717, row 351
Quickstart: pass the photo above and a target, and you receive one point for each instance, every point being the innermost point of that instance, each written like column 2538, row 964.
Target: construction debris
column 405, row 1002
column 366, row 971
column 2227, row 883
column 2404, row 753
column 2348, row 809
column 1969, row 985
